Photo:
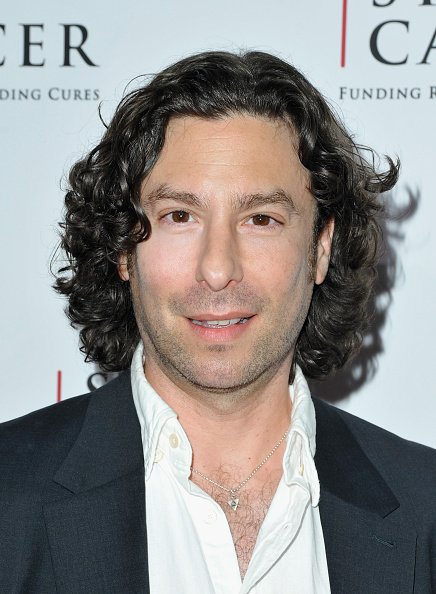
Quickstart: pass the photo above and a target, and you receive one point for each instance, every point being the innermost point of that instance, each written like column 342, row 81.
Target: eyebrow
column 165, row 192
column 279, row 196
column 239, row 201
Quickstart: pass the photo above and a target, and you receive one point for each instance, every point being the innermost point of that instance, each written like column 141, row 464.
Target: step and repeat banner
column 375, row 60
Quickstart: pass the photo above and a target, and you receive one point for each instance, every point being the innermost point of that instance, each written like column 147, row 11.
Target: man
column 221, row 243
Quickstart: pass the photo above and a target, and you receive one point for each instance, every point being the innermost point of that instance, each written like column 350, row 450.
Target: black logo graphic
column 73, row 38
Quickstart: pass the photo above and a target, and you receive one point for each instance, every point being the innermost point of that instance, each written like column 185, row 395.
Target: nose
column 219, row 263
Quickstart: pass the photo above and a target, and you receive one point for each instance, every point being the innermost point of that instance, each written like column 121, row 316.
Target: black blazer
column 72, row 502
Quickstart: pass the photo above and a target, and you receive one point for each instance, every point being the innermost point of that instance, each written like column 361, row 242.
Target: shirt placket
column 278, row 532
column 207, row 516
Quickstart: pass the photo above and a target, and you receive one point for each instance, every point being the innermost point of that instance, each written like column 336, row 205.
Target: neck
column 224, row 430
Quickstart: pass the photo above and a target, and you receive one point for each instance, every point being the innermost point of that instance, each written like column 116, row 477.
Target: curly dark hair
column 104, row 217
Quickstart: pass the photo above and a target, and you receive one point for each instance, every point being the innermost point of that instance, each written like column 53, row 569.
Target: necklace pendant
column 233, row 502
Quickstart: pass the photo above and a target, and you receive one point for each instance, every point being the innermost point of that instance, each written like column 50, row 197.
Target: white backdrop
column 48, row 118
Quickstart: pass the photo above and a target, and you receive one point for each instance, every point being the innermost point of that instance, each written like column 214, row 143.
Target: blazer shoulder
column 32, row 447
column 369, row 432
column 408, row 467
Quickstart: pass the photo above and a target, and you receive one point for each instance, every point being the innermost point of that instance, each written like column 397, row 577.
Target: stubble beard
column 215, row 371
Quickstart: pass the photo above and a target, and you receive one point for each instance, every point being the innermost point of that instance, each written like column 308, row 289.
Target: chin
column 219, row 380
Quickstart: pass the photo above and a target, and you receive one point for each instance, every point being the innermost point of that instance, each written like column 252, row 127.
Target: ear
column 123, row 268
column 324, row 249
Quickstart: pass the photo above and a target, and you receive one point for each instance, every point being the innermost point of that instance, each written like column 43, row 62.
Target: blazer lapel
column 370, row 546
column 97, row 533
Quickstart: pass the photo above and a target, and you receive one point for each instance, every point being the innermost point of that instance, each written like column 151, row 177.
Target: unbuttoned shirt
column 190, row 547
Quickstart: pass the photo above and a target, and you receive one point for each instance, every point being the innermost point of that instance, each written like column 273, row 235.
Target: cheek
column 298, row 285
column 282, row 267
column 161, row 264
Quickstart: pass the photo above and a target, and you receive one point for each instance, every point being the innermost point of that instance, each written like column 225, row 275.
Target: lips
column 219, row 323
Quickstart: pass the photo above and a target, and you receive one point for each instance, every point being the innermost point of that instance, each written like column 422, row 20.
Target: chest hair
column 245, row 522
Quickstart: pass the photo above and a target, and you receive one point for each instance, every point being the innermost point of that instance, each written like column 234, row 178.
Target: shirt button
column 158, row 456
column 174, row 440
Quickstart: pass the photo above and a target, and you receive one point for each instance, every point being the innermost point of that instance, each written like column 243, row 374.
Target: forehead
column 238, row 154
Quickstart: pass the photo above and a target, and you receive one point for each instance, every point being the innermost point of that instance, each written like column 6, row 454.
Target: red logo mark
column 59, row 387
column 344, row 32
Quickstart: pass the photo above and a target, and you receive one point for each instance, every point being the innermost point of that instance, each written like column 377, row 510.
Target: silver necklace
column 234, row 498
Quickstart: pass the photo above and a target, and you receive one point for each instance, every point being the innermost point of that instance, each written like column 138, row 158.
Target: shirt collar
column 298, row 460
column 153, row 413
column 298, row 464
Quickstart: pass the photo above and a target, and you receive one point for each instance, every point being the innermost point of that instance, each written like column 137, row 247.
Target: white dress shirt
column 190, row 547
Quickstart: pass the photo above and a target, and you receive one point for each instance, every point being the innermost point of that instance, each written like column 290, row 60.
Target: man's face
column 222, row 286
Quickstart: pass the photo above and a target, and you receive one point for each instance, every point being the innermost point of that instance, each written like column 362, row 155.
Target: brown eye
column 261, row 220
column 180, row 216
